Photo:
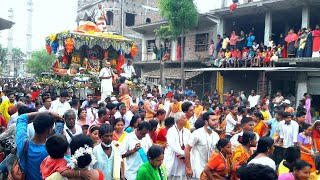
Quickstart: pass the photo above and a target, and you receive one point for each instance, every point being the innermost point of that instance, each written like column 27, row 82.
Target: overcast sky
column 49, row 17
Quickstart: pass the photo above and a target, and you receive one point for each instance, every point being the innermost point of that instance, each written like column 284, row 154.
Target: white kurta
column 203, row 144
column 134, row 161
column 105, row 163
column 106, row 84
column 175, row 166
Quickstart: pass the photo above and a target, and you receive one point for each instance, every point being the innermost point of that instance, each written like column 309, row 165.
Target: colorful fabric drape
column 260, row 128
column 239, row 157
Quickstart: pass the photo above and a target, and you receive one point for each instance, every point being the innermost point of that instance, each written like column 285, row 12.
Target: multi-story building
column 265, row 18
column 121, row 15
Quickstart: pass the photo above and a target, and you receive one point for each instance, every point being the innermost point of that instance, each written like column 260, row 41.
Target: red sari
column 316, row 40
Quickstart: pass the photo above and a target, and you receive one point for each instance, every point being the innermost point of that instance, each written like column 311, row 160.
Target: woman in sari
column 119, row 133
column 82, row 117
column 316, row 175
column 242, row 153
column 162, row 132
column 306, row 147
column 316, row 135
column 174, row 107
column 261, row 128
column 135, row 120
column 291, row 40
column 153, row 169
column 198, row 109
column 283, row 45
column 219, row 164
column 316, row 42
column 307, row 106
column 94, row 134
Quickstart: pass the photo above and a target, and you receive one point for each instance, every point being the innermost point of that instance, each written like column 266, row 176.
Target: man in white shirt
column 174, row 155
column 138, row 140
column 201, row 144
column 71, row 129
column 232, row 122
column 128, row 69
column 253, row 99
column 106, row 75
column 61, row 105
column 92, row 111
column 122, row 113
column 108, row 154
column 247, row 124
column 188, row 109
column 288, row 131
column 46, row 104
column 134, row 109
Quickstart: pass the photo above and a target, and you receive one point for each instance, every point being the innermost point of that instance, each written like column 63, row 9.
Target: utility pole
column 122, row 17
column 10, row 62
column 29, row 30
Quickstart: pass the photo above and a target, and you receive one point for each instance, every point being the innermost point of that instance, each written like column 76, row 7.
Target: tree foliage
column 3, row 56
column 40, row 62
column 182, row 15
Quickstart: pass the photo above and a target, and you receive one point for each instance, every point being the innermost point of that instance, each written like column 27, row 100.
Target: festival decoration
column 134, row 50
column 69, row 45
column 48, row 48
column 88, row 27
column 54, row 46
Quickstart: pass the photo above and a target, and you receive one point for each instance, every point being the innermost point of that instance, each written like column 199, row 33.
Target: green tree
column 3, row 57
column 182, row 16
column 18, row 58
column 40, row 62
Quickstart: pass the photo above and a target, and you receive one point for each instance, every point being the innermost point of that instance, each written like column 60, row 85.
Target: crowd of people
column 176, row 135
column 243, row 50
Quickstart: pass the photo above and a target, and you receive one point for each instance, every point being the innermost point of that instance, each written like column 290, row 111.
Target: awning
column 240, row 69
column 171, row 73
column 5, row 24
column 266, row 69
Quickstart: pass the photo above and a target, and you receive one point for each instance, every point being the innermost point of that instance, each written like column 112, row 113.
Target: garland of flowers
column 73, row 164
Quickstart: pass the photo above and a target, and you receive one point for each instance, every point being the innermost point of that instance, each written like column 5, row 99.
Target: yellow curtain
column 219, row 85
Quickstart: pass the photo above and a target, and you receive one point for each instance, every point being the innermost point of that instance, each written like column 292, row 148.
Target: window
column 202, row 42
column 148, row 21
column 110, row 18
column 130, row 18
column 150, row 45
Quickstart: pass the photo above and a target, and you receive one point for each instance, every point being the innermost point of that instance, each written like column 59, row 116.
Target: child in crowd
column 238, row 58
column 255, row 46
column 279, row 50
column 233, row 58
column 85, row 129
column 274, row 58
column 270, row 43
column 220, row 58
column 256, row 59
column 266, row 60
column 263, row 57
column 227, row 57
column 251, row 55
column 245, row 52
column 57, row 145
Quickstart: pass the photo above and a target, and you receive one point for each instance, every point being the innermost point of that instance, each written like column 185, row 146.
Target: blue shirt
column 274, row 126
column 36, row 152
column 250, row 40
